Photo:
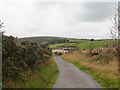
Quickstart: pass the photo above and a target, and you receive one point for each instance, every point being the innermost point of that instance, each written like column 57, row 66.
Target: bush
column 18, row 57
column 58, row 53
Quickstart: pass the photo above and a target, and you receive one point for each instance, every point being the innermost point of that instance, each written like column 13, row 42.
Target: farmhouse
column 60, row 49
column 63, row 49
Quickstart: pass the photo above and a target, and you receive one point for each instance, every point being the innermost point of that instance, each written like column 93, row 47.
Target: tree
column 1, row 24
column 115, row 30
column 92, row 45
column 115, row 33
column 119, row 41
column 119, row 26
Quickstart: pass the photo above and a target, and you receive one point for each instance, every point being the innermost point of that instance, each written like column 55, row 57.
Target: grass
column 0, row 85
column 42, row 76
column 105, row 74
column 56, row 45
column 103, row 79
column 85, row 44
column 97, row 44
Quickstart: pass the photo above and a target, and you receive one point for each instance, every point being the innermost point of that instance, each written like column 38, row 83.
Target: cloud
column 71, row 19
column 96, row 11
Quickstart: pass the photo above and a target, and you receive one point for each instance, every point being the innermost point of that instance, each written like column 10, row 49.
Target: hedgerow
column 18, row 57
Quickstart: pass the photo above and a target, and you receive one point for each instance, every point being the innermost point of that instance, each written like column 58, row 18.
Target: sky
column 74, row 19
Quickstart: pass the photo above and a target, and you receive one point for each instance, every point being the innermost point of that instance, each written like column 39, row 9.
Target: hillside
column 49, row 39
column 62, row 41
column 46, row 39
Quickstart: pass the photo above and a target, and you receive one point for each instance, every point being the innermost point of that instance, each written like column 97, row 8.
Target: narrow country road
column 71, row 77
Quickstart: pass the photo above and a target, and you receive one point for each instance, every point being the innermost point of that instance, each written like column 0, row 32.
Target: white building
column 60, row 49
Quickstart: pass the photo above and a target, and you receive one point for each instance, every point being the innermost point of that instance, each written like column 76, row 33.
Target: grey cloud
column 44, row 5
column 97, row 11
column 58, row 19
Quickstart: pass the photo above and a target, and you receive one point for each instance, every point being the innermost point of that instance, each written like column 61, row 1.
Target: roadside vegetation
column 27, row 64
column 105, row 73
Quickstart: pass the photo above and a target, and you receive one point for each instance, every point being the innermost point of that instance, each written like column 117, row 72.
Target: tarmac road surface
column 71, row 77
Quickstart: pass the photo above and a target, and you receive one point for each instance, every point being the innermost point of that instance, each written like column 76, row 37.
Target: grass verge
column 101, row 77
column 42, row 76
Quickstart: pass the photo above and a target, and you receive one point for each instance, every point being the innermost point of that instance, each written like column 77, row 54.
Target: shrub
column 18, row 57
column 58, row 53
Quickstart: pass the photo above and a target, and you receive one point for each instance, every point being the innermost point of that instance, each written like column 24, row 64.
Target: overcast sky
column 26, row 18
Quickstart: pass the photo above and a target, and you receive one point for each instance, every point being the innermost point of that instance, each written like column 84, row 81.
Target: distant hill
column 53, row 40
column 50, row 40
column 44, row 39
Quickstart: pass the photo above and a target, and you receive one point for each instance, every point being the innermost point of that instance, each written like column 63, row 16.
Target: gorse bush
column 58, row 53
column 19, row 57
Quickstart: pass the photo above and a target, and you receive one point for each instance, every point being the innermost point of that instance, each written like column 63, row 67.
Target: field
column 97, row 44
column 62, row 41
column 56, row 45
column 84, row 44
